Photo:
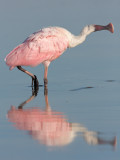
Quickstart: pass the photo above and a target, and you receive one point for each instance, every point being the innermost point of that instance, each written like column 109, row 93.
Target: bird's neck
column 76, row 40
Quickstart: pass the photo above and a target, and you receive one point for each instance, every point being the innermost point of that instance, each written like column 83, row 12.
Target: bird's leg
column 25, row 71
column 45, row 82
column 34, row 78
column 45, row 90
column 45, row 76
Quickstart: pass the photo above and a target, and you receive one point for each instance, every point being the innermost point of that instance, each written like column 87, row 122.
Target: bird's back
column 44, row 45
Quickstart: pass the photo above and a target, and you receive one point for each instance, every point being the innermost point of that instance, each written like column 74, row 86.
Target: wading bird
column 47, row 45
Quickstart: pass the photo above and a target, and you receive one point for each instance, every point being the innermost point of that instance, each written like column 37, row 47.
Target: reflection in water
column 51, row 128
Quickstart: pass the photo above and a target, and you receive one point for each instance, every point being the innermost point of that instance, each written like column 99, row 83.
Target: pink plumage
column 46, row 45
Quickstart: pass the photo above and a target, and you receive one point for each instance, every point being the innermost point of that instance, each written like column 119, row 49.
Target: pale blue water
column 84, row 84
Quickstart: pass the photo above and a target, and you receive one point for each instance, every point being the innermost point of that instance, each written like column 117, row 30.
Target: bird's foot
column 45, row 82
column 36, row 85
column 32, row 81
column 35, row 82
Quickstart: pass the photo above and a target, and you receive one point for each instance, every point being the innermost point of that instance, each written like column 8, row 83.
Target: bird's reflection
column 50, row 127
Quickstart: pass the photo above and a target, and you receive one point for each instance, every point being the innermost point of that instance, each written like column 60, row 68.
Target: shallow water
column 79, row 122
column 80, row 116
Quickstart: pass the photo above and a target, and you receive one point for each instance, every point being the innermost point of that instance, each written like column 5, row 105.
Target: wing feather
column 39, row 47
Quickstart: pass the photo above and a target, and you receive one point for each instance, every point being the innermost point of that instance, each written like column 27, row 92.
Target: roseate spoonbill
column 46, row 45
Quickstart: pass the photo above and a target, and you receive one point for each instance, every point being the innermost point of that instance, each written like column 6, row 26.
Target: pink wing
column 45, row 45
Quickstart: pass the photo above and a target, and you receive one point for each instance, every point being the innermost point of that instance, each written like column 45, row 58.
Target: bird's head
column 108, row 27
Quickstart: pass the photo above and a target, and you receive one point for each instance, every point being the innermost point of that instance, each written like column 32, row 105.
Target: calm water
column 80, row 116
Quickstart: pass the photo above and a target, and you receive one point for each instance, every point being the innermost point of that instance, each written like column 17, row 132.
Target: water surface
column 79, row 117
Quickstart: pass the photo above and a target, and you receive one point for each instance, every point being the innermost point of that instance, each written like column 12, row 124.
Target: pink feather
column 44, row 45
